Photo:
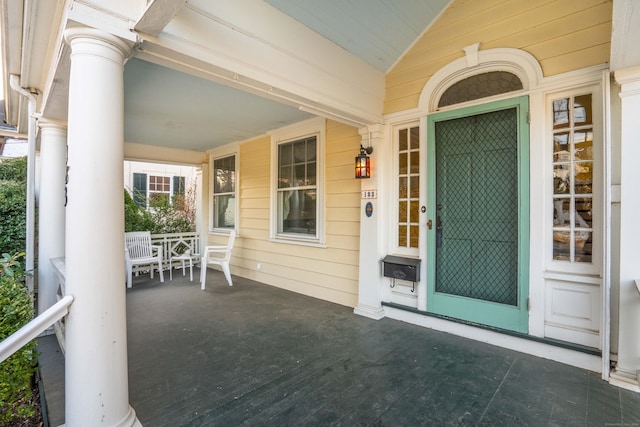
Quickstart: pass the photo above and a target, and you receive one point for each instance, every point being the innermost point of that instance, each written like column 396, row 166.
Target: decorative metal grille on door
column 477, row 207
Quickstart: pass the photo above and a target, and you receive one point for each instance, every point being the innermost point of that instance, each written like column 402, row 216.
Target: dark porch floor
column 253, row 354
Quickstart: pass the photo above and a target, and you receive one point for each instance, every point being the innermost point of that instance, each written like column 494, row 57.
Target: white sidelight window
column 408, row 167
column 573, row 179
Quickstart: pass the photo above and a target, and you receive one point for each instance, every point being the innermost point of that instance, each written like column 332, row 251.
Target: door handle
column 438, row 232
column 429, row 224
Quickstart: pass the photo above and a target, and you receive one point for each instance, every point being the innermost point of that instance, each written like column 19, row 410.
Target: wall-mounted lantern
column 363, row 163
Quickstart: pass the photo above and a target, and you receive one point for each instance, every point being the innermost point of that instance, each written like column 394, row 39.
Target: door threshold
column 556, row 343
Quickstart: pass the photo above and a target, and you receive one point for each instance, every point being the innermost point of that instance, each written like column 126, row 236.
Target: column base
column 375, row 313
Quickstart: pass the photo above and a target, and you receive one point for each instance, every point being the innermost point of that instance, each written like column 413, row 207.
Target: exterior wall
column 569, row 47
column 562, row 35
column 157, row 169
column 330, row 272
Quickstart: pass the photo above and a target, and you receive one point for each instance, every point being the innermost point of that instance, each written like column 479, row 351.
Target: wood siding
column 329, row 273
column 563, row 35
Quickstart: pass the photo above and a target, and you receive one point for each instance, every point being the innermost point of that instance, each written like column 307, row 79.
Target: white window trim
column 219, row 153
column 312, row 127
column 598, row 192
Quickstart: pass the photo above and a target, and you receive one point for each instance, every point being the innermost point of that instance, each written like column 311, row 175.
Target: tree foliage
column 162, row 217
column 13, row 205
column 17, row 372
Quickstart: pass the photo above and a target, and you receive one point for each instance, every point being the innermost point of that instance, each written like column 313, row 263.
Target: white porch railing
column 34, row 328
column 174, row 244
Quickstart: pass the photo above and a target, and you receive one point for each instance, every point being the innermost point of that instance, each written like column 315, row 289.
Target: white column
column 96, row 378
column 51, row 210
column 372, row 228
column 629, row 318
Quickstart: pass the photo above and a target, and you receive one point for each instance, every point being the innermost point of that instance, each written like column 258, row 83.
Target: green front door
column 479, row 203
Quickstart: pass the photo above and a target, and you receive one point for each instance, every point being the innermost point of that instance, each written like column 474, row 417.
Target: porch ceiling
column 301, row 59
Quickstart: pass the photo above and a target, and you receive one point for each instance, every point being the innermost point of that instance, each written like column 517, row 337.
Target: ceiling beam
column 157, row 15
column 266, row 52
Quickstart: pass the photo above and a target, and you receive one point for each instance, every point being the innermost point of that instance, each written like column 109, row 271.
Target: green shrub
column 13, row 205
column 17, row 372
column 14, row 169
column 162, row 218
column 13, row 199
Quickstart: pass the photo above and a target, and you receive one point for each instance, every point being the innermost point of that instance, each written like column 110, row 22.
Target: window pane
column 311, row 149
column 583, row 145
column 415, row 138
column 584, row 177
column 415, row 187
column 583, row 245
column 402, row 211
column 311, row 173
column 224, row 175
column 480, row 86
column 562, row 212
column 402, row 235
column 402, row 161
column 561, row 113
column 561, row 245
column 415, row 162
column 285, row 177
column 300, row 151
column 583, row 212
column 562, row 179
column 561, row 151
column 402, row 187
column 297, row 210
column 300, row 175
column 414, row 235
column 414, row 213
column 582, row 110
column 224, row 209
column 285, row 154
column 402, row 139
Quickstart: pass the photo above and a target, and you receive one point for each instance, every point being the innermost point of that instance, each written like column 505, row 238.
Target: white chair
column 138, row 250
column 217, row 255
column 185, row 257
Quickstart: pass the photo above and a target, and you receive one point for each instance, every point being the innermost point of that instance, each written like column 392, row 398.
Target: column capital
column 45, row 123
column 92, row 37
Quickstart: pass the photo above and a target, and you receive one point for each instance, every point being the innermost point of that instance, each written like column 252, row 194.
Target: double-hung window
column 297, row 189
column 224, row 192
column 297, row 199
column 159, row 190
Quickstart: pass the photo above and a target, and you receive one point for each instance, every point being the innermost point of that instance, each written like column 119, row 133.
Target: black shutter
column 140, row 189
column 178, row 185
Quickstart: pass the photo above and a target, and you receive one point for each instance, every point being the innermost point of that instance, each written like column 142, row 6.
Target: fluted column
column 51, row 209
column 96, row 378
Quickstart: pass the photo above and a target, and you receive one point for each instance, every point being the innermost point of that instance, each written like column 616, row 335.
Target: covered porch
column 258, row 355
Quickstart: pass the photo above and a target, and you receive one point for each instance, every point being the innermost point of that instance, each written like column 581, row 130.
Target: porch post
column 629, row 316
column 51, row 210
column 372, row 229
column 96, row 378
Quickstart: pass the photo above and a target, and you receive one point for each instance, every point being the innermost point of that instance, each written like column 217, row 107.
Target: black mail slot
column 401, row 268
